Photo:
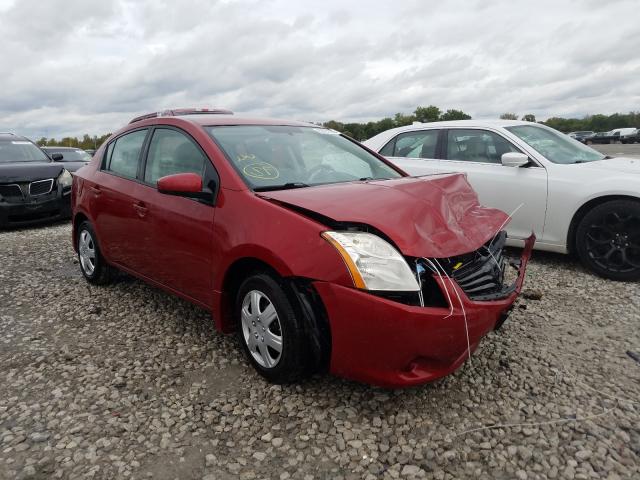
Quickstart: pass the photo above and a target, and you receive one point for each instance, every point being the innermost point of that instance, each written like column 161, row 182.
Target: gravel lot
column 127, row 382
column 619, row 150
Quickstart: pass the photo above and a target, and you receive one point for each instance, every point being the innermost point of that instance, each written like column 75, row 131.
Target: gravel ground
column 127, row 382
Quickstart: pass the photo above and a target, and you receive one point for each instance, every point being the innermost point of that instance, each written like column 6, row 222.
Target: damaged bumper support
column 391, row 344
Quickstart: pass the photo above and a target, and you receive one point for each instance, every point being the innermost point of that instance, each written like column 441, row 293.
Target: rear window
column 71, row 155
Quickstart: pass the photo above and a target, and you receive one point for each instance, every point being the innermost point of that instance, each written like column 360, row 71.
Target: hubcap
column 261, row 329
column 613, row 242
column 87, row 252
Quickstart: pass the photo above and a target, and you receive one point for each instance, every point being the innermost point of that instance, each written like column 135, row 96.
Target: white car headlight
column 374, row 264
column 65, row 179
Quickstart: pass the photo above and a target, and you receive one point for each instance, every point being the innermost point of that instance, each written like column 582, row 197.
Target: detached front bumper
column 50, row 207
column 390, row 344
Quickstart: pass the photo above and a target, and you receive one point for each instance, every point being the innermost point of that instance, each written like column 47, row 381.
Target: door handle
column 95, row 190
column 141, row 209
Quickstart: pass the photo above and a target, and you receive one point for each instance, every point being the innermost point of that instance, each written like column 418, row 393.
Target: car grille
column 481, row 274
column 10, row 191
column 41, row 187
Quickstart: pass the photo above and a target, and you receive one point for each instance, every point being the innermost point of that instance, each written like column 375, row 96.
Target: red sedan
column 317, row 252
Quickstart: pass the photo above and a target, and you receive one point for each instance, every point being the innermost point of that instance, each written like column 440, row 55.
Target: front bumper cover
column 49, row 207
column 390, row 344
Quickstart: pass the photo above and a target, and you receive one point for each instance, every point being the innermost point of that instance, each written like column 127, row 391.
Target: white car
column 572, row 197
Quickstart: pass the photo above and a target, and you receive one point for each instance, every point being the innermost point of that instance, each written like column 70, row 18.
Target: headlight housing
column 65, row 179
column 374, row 264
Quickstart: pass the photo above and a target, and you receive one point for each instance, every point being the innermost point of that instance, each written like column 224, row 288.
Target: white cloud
column 74, row 67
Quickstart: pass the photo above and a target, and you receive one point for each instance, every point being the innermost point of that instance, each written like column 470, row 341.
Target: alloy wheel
column 261, row 329
column 613, row 242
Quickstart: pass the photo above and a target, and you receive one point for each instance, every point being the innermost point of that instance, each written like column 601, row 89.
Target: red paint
column 409, row 345
column 437, row 217
column 180, row 183
column 187, row 248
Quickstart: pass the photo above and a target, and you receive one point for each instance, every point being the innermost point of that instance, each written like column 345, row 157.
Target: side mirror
column 56, row 157
column 514, row 159
column 184, row 185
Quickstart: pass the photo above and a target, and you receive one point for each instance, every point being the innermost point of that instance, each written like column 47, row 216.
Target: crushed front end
column 396, row 339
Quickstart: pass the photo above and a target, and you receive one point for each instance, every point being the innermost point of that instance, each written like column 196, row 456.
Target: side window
column 420, row 144
column 387, row 150
column 125, row 154
column 477, row 146
column 172, row 152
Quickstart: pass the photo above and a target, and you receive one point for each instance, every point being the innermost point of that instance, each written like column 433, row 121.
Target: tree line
column 363, row 131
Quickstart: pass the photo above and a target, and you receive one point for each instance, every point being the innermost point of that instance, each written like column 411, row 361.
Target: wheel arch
column 582, row 211
column 305, row 299
column 78, row 218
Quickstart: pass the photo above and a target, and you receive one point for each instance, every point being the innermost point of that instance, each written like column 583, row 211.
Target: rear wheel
column 608, row 240
column 270, row 331
column 589, row 142
column 93, row 266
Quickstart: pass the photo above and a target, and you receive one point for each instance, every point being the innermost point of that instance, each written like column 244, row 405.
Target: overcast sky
column 77, row 66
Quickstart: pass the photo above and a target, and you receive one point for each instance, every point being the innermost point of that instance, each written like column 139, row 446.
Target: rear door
column 119, row 222
column 415, row 152
column 180, row 247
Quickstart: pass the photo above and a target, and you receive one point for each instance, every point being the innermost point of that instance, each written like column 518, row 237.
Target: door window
column 421, row 144
column 172, row 152
column 125, row 153
column 477, row 146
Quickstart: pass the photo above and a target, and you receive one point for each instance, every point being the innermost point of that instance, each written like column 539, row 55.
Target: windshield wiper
column 365, row 179
column 284, row 186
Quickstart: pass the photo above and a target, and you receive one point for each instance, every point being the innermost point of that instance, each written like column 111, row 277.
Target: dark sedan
column 603, row 137
column 73, row 158
column 33, row 188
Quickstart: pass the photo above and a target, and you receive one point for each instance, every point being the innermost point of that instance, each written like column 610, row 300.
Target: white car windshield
column 275, row 157
column 555, row 146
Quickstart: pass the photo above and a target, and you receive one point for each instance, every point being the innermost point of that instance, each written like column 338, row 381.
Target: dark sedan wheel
column 269, row 330
column 608, row 240
column 93, row 266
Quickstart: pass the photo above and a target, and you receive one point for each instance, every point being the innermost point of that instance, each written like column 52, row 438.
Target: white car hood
column 617, row 164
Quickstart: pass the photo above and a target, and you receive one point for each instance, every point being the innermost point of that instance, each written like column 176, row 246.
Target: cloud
column 89, row 66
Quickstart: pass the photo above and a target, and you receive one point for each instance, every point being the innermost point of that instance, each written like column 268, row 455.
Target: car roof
column 492, row 123
column 12, row 136
column 212, row 120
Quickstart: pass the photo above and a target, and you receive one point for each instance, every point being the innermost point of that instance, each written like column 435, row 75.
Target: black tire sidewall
column 293, row 360
column 595, row 214
column 98, row 275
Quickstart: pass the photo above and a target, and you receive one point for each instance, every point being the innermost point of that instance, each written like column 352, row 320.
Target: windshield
column 20, row 151
column 71, row 155
column 273, row 157
column 555, row 146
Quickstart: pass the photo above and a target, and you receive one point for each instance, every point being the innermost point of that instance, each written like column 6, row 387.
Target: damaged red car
column 318, row 253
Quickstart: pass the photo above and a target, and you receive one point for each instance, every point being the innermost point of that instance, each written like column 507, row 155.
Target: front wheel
column 608, row 240
column 269, row 330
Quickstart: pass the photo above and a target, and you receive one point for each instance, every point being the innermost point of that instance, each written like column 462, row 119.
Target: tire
column 589, row 142
column 259, row 336
column 94, row 268
column 608, row 240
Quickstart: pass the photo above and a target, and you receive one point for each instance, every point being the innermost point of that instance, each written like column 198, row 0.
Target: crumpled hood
column 435, row 216
column 29, row 171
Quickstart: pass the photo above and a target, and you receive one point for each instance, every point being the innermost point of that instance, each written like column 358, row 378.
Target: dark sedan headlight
column 65, row 179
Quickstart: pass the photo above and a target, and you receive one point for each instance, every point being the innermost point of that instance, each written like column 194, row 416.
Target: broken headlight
column 374, row 264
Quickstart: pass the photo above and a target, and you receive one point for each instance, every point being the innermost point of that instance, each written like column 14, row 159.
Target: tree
column 452, row 114
column 401, row 119
column 508, row 116
column 427, row 114
column 529, row 117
